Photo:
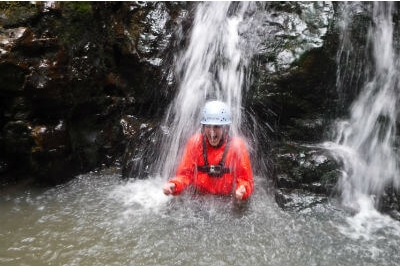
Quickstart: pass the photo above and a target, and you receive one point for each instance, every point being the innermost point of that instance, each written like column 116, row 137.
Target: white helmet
column 216, row 113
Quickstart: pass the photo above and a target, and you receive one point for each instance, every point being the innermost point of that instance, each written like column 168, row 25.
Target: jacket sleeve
column 244, row 173
column 185, row 172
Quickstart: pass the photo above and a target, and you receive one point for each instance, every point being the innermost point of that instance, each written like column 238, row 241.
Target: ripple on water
column 103, row 220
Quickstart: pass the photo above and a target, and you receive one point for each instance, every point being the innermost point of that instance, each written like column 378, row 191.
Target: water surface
column 101, row 219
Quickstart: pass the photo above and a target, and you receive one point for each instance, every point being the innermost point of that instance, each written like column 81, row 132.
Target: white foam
column 141, row 195
column 368, row 223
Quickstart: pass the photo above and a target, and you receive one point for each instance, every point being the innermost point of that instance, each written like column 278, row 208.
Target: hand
column 239, row 193
column 169, row 188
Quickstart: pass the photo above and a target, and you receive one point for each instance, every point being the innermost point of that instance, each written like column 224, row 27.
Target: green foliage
column 15, row 12
column 76, row 22
column 77, row 8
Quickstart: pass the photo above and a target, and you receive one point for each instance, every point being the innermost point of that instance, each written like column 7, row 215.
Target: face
column 214, row 134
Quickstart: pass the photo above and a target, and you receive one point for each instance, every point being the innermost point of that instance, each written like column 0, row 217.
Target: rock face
column 69, row 72
column 293, row 95
column 85, row 85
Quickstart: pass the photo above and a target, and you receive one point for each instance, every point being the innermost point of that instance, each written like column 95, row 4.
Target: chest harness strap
column 214, row 170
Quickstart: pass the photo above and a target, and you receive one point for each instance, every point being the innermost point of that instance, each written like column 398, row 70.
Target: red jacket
column 237, row 159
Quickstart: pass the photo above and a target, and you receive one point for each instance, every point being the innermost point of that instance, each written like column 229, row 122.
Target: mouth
column 213, row 138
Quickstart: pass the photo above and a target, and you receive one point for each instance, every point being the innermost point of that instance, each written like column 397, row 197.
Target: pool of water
column 102, row 219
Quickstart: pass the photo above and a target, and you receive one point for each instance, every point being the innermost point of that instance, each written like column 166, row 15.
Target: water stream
column 365, row 143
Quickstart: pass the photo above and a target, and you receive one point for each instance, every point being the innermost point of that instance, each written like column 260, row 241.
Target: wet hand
column 169, row 188
column 239, row 193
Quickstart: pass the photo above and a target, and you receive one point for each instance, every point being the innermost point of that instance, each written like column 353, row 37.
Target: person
column 213, row 162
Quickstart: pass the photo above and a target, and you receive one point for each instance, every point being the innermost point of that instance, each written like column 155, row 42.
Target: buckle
column 215, row 170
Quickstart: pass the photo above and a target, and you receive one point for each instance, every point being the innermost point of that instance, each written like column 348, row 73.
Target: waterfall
column 212, row 66
column 365, row 143
column 350, row 58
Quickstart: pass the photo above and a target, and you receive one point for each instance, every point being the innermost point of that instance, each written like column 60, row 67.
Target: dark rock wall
column 69, row 72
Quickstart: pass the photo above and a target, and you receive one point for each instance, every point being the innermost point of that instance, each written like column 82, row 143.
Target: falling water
column 350, row 58
column 212, row 66
column 365, row 143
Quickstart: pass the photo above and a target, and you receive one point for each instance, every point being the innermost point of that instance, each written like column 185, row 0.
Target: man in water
column 214, row 162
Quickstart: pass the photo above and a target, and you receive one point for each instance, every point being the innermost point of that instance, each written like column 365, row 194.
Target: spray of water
column 212, row 66
column 365, row 143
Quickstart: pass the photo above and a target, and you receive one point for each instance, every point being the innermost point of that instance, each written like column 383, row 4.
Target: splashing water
column 369, row 223
column 142, row 196
column 365, row 143
column 98, row 219
column 212, row 66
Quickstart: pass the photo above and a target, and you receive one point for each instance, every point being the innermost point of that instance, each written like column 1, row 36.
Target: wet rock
column 9, row 38
column 46, row 138
column 17, row 13
column 16, row 143
column 305, row 167
column 390, row 202
column 300, row 200
column 142, row 148
column 51, row 161
column 12, row 78
column 293, row 90
column 70, row 70
column 3, row 166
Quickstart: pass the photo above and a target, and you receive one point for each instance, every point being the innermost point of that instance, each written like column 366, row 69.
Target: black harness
column 214, row 170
